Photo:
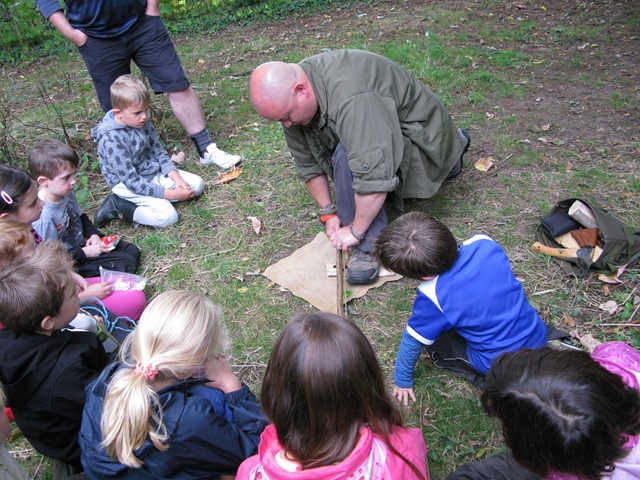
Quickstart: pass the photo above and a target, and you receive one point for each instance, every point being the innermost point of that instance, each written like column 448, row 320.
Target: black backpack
column 620, row 242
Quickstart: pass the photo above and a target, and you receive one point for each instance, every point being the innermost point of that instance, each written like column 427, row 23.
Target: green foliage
column 26, row 35
column 20, row 23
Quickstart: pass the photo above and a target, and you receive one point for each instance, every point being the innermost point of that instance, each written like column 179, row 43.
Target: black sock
column 201, row 140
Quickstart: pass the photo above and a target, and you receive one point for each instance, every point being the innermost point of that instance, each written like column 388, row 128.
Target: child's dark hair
column 49, row 157
column 35, row 287
column 14, row 184
column 322, row 383
column 416, row 245
column 561, row 411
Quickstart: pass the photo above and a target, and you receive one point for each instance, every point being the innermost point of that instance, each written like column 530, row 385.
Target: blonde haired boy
column 143, row 178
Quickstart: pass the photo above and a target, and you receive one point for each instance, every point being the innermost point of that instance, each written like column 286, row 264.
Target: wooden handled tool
column 584, row 253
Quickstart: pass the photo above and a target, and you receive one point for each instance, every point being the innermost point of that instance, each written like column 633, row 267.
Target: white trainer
column 219, row 158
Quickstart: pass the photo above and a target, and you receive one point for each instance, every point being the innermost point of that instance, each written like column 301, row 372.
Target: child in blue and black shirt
column 470, row 306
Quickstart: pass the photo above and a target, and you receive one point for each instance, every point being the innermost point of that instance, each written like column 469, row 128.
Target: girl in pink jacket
column 332, row 419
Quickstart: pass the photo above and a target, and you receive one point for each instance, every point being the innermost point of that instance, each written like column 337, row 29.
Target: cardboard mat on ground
column 304, row 273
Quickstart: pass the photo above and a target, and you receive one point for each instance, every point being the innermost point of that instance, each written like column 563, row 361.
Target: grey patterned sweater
column 132, row 156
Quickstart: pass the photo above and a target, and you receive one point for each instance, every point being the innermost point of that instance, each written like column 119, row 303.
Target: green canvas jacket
column 398, row 136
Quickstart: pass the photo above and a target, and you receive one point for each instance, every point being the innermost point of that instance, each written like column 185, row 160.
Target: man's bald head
column 282, row 92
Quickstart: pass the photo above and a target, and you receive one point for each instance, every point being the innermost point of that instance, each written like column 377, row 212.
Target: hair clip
column 147, row 371
column 6, row 197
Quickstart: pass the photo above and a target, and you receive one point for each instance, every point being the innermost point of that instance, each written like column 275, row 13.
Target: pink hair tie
column 147, row 371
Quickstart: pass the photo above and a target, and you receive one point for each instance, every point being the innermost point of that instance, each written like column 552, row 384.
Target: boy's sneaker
column 224, row 160
column 362, row 268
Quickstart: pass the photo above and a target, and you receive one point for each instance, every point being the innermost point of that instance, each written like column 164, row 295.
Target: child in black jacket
column 44, row 368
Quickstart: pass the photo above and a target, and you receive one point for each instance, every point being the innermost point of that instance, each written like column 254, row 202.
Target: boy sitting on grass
column 53, row 165
column 470, row 306
column 143, row 178
column 44, row 368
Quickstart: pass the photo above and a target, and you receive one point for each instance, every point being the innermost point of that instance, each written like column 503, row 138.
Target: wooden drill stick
column 340, row 282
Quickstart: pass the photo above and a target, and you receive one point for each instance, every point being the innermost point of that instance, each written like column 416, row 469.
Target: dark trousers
column 449, row 351
column 124, row 258
column 497, row 467
column 149, row 45
column 346, row 200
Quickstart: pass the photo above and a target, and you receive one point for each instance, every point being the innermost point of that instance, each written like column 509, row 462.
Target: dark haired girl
column 325, row 394
column 566, row 415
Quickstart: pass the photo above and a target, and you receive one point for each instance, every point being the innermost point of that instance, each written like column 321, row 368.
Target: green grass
column 501, row 77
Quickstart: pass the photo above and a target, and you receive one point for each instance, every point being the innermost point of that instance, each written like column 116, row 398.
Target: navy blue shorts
column 149, row 45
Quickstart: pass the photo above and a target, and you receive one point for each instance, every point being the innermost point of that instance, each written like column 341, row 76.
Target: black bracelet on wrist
column 356, row 235
column 329, row 209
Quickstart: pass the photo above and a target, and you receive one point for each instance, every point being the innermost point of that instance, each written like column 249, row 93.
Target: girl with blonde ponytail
column 172, row 407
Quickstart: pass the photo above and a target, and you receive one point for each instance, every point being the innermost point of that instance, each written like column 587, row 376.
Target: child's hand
column 96, row 290
column 403, row 394
column 95, row 250
column 80, row 281
column 181, row 184
column 219, row 372
column 179, row 194
column 93, row 240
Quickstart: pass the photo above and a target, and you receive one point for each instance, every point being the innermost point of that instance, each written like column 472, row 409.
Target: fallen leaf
column 484, row 164
column 610, row 306
column 583, row 46
column 243, row 289
column 427, row 416
column 546, row 127
column 256, row 224
column 614, row 277
column 481, row 452
column 490, row 115
column 589, row 342
column 177, row 158
column 228, row 176
column 569, row 320
column 544, row 139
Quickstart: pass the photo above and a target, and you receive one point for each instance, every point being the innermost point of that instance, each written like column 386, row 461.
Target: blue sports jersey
column 482, row 300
